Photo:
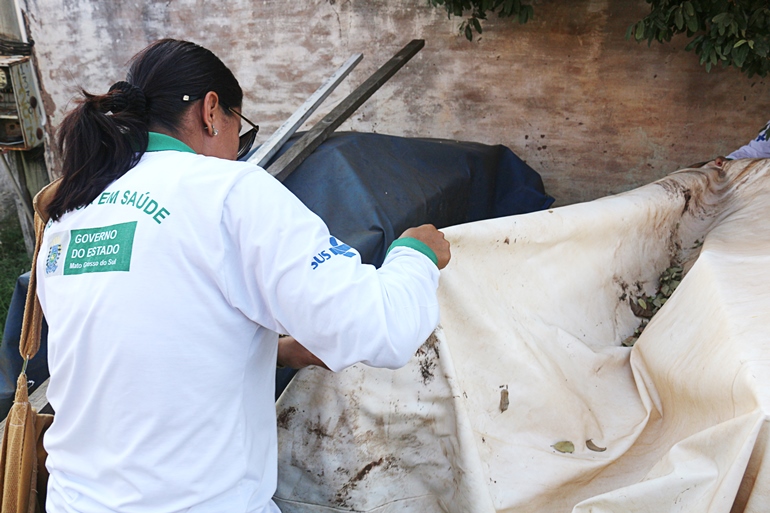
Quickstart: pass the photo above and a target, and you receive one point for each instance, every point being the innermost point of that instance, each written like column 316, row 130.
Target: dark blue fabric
column 368, row 188
column 10, row 359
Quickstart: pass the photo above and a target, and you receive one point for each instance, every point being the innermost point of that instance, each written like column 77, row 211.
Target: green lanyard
column 162, row 142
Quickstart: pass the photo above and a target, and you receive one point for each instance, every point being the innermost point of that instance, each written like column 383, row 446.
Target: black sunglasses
column 246, row 140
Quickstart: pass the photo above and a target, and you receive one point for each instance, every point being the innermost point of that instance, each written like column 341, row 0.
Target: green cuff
column 415, row 244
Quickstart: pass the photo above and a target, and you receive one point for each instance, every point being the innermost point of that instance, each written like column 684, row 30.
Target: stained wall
column 593, row 113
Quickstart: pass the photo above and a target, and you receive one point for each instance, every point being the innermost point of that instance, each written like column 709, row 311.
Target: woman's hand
column 434, row 239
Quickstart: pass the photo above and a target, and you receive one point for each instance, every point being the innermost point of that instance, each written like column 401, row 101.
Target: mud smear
column 342, row 497
column 318, row 429
column 706, row 202
column 427, row 355
column 284, row 418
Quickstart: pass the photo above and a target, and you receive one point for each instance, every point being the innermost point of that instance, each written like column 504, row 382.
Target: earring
column 214, row 130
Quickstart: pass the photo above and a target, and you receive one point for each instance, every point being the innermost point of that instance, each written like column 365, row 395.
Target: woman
column 166, row 272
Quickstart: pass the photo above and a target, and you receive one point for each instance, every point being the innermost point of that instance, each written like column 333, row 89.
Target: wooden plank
column 38, row 400
column 270, row 147
column 19, row 184
column 289, row 161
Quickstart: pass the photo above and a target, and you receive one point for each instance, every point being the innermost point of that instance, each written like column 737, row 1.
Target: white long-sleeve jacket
column 164, row 298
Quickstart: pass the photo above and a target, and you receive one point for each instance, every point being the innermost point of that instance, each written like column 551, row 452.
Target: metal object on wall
column 288, row 162
column 21, row 114
column 270, row 147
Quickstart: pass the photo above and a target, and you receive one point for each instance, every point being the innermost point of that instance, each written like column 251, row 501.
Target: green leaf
column 564, row 447
column 639, row 31
column 692, row 24
column 476, row 24
column 688, row 8
column 641, row 302
column 740, row 54
column 721, row 19
column 762, row 49
column 468, row 32
column 739, row 43
column 679, row 19
column 629, row 341
column 508, row 7
column 523, row 15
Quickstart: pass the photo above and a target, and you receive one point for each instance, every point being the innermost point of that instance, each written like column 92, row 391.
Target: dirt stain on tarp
column 284, row 418
column 318, row 429
column 342, row 496
column 427, row 355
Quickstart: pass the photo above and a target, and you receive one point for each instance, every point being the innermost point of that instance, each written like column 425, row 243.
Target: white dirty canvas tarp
column 535, row 307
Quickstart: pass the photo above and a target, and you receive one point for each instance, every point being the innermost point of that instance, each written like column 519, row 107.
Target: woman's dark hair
column 106, row 135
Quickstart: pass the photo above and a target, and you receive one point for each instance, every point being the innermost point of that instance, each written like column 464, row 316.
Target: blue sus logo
column 336, row 248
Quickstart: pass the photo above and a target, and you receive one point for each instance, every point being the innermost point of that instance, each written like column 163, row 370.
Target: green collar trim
column 162, row 142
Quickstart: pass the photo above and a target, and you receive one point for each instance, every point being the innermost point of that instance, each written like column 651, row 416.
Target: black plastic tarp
column 369, row 188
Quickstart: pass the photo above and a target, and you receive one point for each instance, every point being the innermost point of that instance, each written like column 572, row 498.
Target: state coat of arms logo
column 52, row 262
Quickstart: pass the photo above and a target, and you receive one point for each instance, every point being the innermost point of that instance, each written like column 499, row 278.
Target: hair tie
column 123, row 96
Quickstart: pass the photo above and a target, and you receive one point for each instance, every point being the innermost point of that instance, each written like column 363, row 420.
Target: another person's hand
column 293, row 354
column 718, row 162
column 434, row 239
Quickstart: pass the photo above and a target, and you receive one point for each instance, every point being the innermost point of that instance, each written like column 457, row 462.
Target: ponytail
column 99, row 142
column 106, row 135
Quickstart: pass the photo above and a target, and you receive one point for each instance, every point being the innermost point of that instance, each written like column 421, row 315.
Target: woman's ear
column 209, row 112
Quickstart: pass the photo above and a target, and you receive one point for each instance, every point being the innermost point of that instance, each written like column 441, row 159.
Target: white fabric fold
column 536, row 307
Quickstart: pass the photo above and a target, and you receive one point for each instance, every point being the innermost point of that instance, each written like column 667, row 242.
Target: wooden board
column 289, row 161
column 270, row 147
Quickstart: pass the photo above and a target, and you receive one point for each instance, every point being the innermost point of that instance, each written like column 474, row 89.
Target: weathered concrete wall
column 593, row 113
column 7, row 204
